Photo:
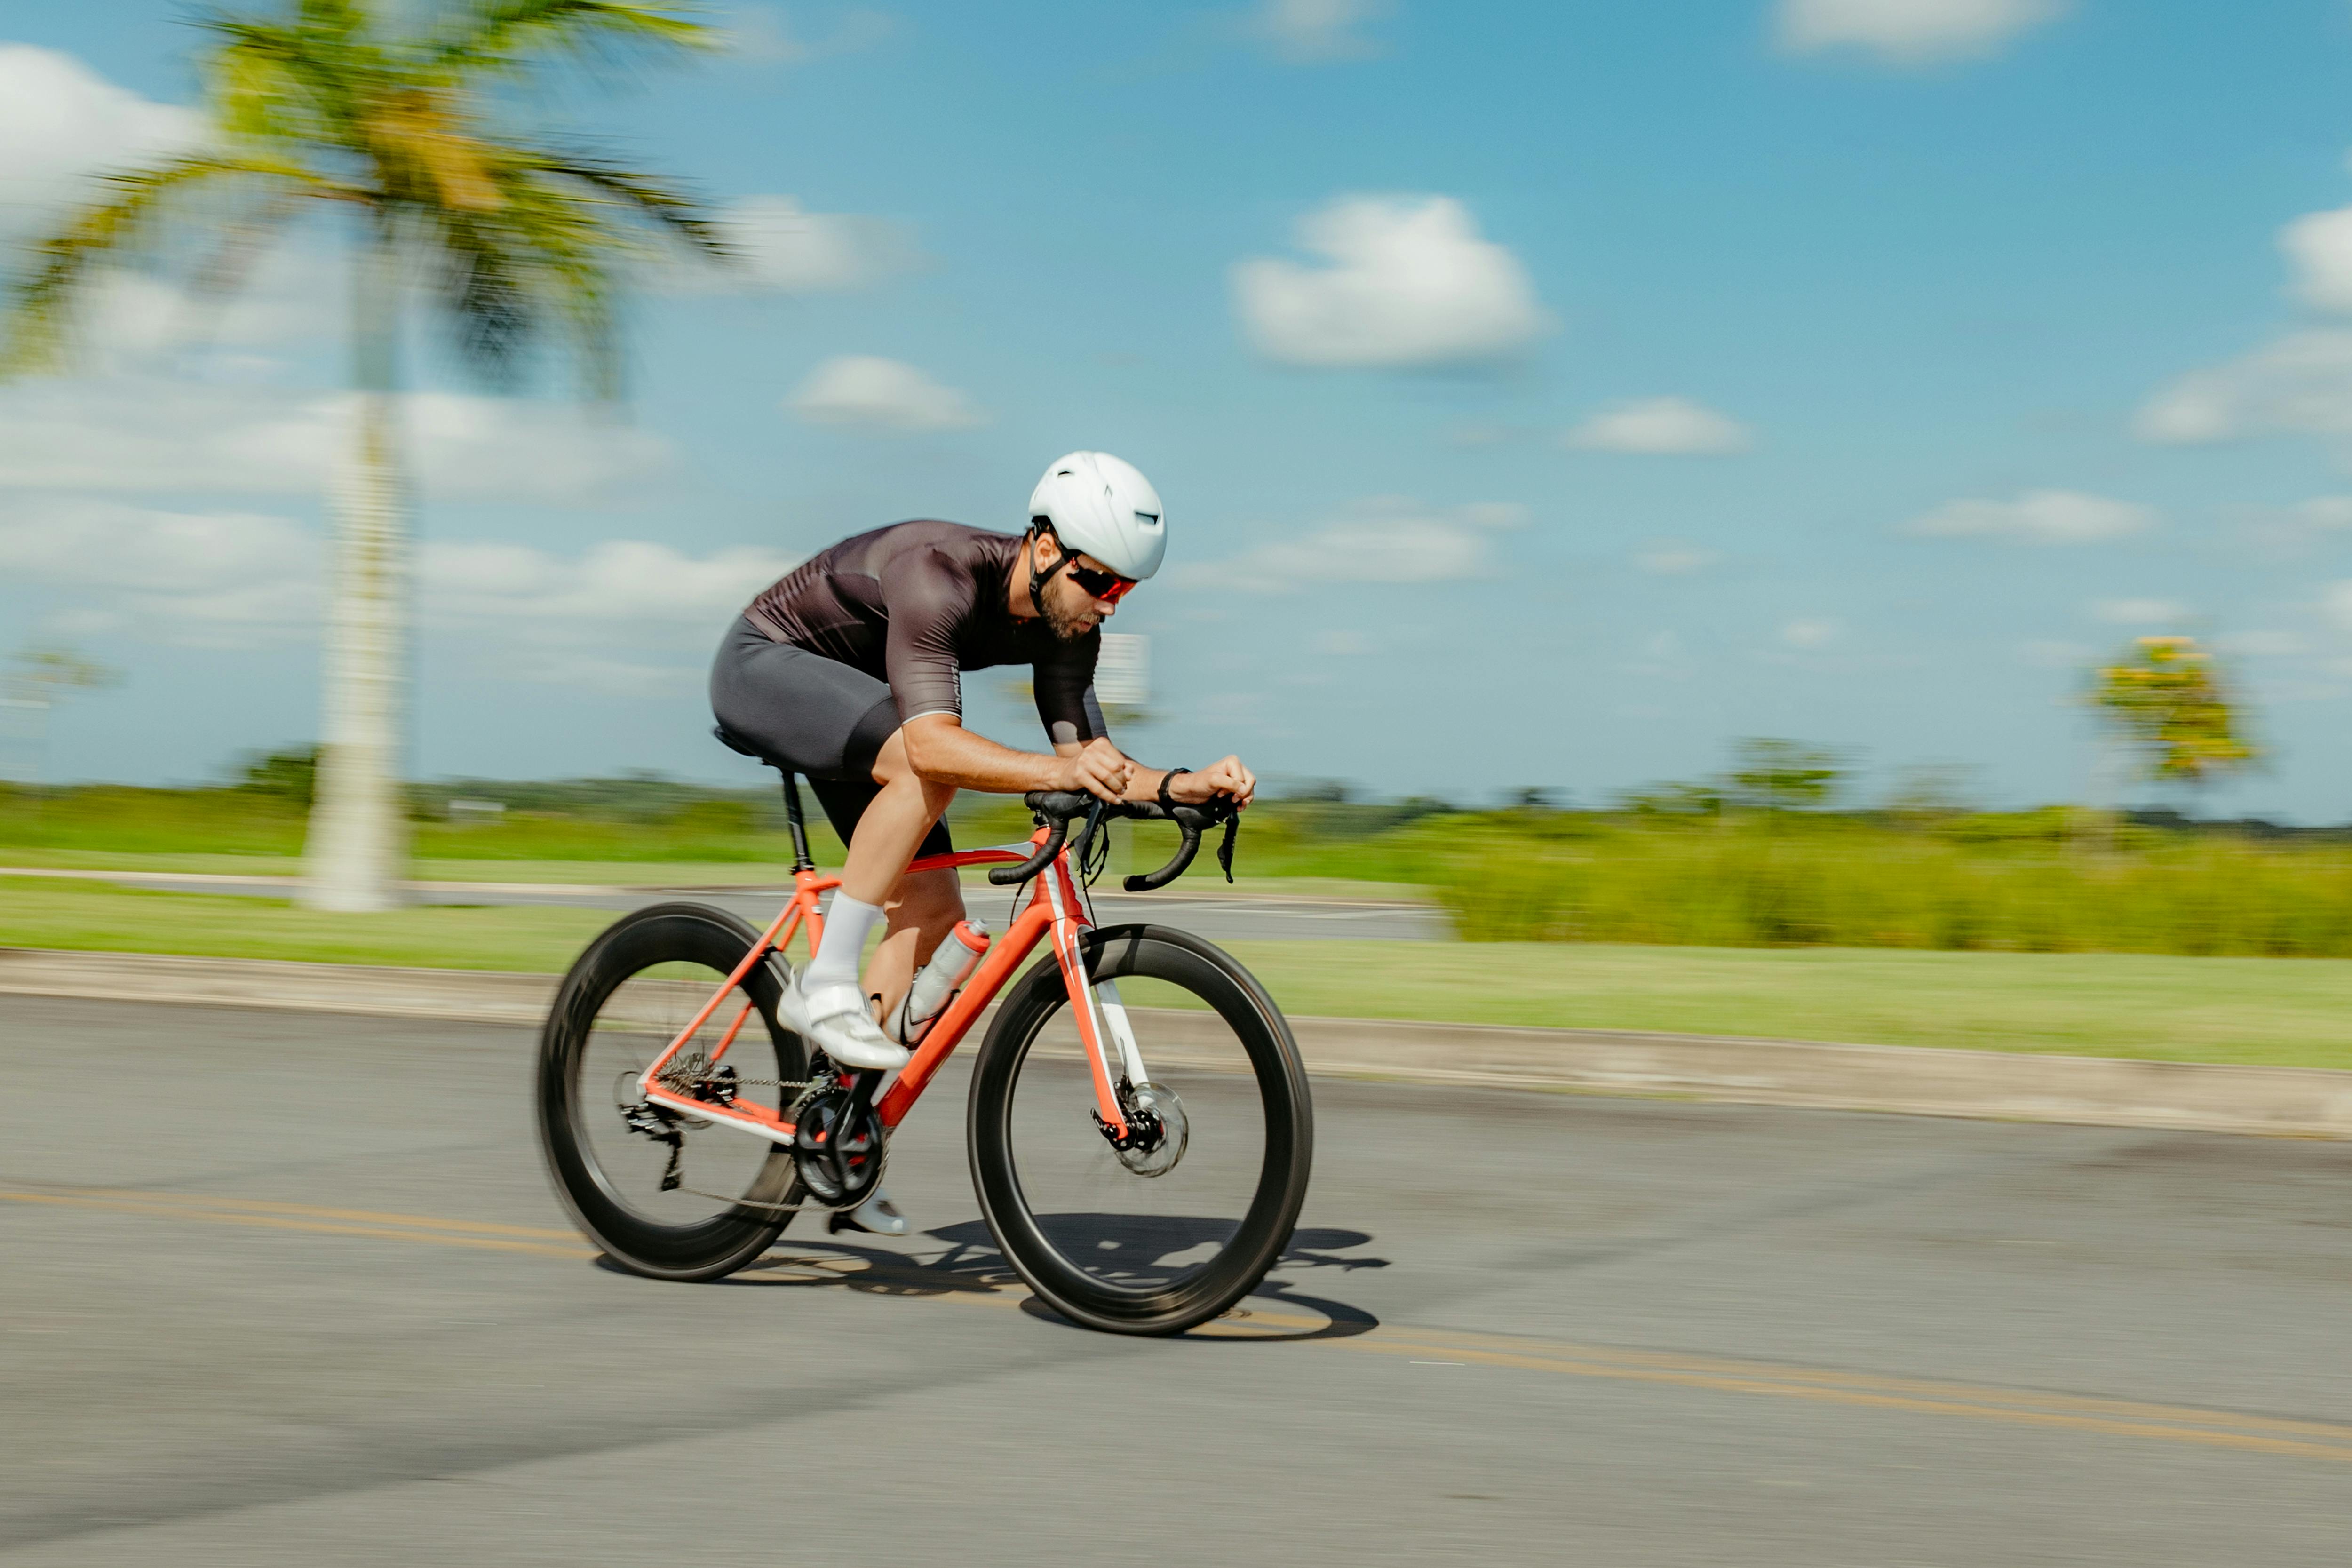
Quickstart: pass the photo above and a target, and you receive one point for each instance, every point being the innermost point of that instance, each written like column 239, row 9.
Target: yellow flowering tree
column 2174, row 712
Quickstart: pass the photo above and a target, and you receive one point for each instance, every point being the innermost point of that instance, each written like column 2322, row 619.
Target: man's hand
column 1227, row 777
column 1099, row 768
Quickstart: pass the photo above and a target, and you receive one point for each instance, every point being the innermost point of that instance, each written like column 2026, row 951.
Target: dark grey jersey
column 915, row 603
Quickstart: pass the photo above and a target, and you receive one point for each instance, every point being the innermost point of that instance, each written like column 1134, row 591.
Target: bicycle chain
column 686, row 1088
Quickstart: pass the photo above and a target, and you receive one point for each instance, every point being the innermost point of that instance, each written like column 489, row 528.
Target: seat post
column 801, row 861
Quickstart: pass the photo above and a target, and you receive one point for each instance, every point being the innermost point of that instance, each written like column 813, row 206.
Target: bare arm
column 940, row 748
column 1227, row 776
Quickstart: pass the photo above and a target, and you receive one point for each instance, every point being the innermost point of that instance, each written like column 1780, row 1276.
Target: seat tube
column 801, row 861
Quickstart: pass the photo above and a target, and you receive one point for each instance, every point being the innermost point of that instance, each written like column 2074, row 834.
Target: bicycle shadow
column 1125, row 1249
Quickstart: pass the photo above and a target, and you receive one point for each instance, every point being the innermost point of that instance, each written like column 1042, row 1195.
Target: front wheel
column 1143, row 1240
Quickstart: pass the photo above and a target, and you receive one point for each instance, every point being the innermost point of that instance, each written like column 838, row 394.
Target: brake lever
column 1226, row 846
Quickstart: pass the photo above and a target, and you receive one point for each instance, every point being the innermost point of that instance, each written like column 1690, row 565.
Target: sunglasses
column 1108, row 587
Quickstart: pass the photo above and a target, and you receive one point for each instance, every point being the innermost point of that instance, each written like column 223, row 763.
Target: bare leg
column 919, row 909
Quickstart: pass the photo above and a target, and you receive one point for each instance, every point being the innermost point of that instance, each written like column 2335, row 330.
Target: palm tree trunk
column 358, row 845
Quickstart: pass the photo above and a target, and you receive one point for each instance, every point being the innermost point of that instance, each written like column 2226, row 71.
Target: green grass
column 2285, row 1012
column 38, row 913
column 2272, row 1011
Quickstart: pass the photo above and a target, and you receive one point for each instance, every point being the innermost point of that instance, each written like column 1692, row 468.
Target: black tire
column 627, row 997
column 1114, row 1255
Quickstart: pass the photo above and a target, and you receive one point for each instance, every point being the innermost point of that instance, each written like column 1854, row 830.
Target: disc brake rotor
column 1155, row 1156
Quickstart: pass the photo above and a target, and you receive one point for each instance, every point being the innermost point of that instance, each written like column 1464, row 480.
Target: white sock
column 838, row 956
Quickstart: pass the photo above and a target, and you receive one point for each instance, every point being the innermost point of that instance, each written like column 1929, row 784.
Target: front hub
column 1156, row 1133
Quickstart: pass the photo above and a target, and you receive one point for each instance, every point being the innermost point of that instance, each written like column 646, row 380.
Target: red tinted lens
column 1107, row 587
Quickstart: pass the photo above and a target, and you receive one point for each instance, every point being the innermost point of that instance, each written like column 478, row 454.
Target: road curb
column 2308, row 1102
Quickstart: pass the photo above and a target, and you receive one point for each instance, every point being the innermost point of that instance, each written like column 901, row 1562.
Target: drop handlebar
column 1057, row 808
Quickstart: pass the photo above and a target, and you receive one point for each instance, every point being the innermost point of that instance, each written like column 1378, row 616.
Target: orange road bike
column 1139, row 1122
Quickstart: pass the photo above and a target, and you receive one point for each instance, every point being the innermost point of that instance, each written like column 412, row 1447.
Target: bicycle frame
column 1055, row 911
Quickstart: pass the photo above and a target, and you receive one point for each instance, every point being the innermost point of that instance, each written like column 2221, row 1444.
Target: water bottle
column 940, row 979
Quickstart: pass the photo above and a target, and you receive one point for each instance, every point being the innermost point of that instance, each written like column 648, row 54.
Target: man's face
column 1070, row 610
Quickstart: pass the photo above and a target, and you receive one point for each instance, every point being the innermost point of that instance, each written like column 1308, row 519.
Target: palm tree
column 389, row 113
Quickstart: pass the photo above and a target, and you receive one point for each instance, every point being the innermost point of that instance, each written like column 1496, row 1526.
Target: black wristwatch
column 1166, row 804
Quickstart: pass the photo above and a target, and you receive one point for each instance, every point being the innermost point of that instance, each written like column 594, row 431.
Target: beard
column 1067, row 625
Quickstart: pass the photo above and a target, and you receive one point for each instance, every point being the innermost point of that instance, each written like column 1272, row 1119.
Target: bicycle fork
column 1104, row 1031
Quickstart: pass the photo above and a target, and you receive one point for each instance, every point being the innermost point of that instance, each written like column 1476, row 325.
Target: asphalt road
column 292, row 1290
column 1196, row 907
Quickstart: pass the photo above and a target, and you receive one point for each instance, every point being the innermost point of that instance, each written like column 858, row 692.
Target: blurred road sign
column 1123, row 672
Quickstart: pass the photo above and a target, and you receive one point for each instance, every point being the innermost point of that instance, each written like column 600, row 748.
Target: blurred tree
column 292, row 774
column 36, row 678
column 393, row 115
column 2173, row 713
column 1931, row 790
column 1783, row 775
column 1673, row 799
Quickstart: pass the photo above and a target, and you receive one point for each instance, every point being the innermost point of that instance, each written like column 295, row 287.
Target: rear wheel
column 667, row 1195
column 1148, row 1239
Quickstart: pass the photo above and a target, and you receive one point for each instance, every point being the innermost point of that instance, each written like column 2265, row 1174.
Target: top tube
column 992, row 856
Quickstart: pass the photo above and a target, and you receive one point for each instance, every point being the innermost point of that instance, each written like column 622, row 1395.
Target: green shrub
column 1785, row 882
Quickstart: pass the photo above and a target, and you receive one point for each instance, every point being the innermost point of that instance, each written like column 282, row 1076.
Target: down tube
column 1003, row 957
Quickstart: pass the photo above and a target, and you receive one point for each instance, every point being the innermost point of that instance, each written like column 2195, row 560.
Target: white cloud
column 1660, row 427
column 2322, row 513
column 196, row 579
column 2037, row 517
column 2140, row 612
column 61, row 122
column 764, row 35
column 1314, row 32
column 1411, row 283
column 613, row 616
column 1672, row 558
column 1809, row 634
column 2337, row 600
column 133, row 322
column 782, row 249
column 865, row 390
column 2318, row 247
column 615, row 595
column 2299, row 384
column 2260, row 644
column 1911, row 32
column 146, row 434
column 1383, row 538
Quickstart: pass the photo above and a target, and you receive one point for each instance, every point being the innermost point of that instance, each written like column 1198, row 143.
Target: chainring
column 838, row 1145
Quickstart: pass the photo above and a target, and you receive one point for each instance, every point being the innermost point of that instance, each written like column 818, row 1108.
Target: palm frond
column 546, row 255
column 40, row 315
column 332, row 20
column 264, row 84
column 502, row 34
column 668, row 208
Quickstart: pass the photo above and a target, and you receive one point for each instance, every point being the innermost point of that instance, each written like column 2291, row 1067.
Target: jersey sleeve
column 1064, row 683
column 926, row 599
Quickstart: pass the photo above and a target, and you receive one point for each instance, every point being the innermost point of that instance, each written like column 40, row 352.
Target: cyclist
column 848, row 669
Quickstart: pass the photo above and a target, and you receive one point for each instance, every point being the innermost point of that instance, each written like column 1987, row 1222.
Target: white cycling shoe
column 878, row 1216
column 834, row 1019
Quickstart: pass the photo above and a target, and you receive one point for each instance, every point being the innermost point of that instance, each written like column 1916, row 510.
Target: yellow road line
column 439, row 1234
column 1964, row 1400
column 2113, row 1417
column 312, row 1211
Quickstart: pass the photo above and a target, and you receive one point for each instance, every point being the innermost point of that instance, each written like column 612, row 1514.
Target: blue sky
column 1541, row 393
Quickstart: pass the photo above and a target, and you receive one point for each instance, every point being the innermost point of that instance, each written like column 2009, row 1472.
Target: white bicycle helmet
column 1098, row 504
